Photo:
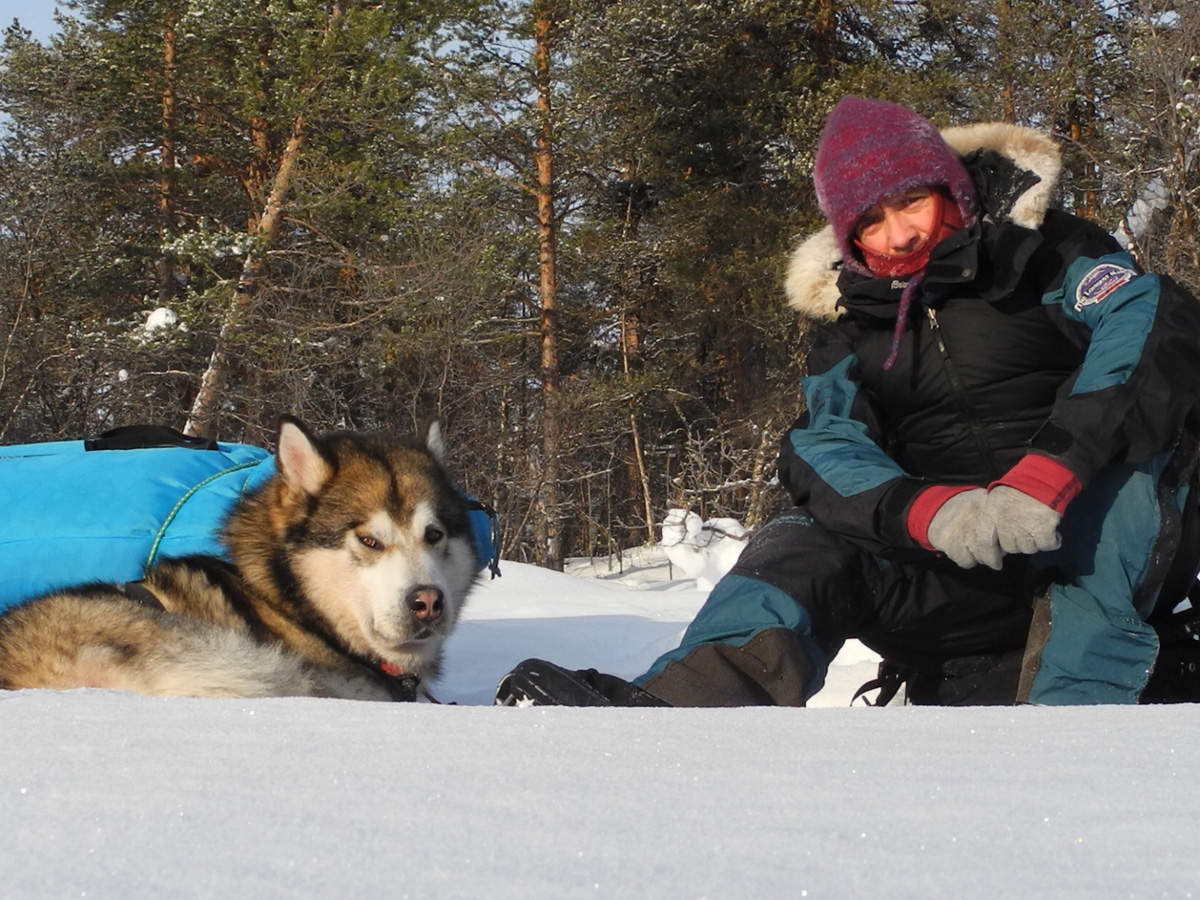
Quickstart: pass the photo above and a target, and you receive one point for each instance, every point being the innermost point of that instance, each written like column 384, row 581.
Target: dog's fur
column 350, row 567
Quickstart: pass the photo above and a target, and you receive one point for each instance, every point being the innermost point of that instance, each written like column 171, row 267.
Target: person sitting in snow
column 992, row 478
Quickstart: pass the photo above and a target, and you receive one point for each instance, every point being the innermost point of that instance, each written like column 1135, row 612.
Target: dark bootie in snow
column 536, row 682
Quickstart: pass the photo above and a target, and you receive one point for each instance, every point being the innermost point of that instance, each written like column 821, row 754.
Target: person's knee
column 794, row 541
column 830, row 578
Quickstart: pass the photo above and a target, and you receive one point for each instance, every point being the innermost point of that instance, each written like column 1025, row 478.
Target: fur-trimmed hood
column 812, row 274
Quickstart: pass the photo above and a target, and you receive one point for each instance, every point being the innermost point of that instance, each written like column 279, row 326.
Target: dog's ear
column 434, row 443
column 300, row 462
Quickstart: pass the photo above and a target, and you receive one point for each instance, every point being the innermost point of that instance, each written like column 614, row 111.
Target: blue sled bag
column 73, row 512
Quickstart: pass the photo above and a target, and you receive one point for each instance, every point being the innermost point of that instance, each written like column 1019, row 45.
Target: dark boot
column 536, row 682
column 771, row 669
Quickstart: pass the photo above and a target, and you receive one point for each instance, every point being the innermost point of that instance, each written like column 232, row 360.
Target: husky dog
column 350, row 567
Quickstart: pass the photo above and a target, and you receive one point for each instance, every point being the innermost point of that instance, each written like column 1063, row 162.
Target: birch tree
column 301, row 67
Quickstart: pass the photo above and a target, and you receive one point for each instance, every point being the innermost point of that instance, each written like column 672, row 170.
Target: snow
column 109, row 795
column 703, row 550
column 161, row 319
column 1154, row 198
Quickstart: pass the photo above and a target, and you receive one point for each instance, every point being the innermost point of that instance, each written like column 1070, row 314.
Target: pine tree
column 213, row 118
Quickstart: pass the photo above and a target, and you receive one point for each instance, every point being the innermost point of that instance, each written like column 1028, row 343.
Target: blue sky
column 36, row 15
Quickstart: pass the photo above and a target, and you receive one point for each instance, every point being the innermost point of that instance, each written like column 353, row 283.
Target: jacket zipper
column 960, row 393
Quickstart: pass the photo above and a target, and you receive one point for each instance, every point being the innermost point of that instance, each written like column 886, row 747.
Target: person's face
column 898, row 225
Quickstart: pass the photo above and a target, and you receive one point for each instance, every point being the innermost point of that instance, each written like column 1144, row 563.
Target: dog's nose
column 426, row 602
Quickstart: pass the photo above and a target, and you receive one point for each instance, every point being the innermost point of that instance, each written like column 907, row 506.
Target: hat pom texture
column 871, row 150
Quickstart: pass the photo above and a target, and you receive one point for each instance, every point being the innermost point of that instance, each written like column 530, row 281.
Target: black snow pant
column 771, row 626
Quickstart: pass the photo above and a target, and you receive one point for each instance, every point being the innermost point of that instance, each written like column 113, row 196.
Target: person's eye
column 868, row 224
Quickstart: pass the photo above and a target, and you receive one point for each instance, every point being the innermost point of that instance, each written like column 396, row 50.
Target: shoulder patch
column 1100, row 282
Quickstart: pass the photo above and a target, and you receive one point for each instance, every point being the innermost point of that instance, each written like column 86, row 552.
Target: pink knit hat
column 871, row 150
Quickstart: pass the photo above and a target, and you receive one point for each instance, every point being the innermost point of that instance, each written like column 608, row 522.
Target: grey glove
column 1020, row 523
column 958, row 530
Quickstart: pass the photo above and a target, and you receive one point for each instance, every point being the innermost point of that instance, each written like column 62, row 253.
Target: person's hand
column 959, row 530
column 1018, row 522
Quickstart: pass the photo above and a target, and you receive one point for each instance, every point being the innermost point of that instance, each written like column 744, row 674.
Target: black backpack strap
column 985, row 680
column 142, row 437
column 135, row 590
column 890, row 678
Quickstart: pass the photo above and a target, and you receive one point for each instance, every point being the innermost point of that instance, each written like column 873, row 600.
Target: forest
column 559, row 227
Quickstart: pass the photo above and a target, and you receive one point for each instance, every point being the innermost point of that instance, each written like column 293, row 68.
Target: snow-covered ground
column 106, row 795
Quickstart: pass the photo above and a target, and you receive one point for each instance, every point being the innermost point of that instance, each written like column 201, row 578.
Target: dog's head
column 378, row 540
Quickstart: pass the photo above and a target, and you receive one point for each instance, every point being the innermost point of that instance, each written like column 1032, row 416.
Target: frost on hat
column 871, row 150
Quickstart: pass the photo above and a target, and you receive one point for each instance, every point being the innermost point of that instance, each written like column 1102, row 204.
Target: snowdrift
column 109, row 795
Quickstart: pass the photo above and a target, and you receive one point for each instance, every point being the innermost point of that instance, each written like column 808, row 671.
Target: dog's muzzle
column 426, row 602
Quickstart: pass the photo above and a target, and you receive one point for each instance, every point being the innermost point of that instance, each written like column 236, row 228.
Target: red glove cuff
column 1042, row 479
column 925, row 506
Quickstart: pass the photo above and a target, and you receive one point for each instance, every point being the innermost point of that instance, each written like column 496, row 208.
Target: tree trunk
column 1184, row 203
column 630, row 351
column 1081, row 117
column 550, row 499
column 202, row 418
column 1004, row 41
column 167, row 282
column 824, row 26
column 631, row 360
column 263, row 227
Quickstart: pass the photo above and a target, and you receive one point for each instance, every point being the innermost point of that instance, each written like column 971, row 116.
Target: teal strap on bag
column 162, row 531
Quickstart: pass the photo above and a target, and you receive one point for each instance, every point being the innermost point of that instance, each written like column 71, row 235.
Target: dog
column 349, row 568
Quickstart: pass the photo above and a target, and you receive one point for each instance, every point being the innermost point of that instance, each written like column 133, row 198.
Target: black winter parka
column 1033, row 332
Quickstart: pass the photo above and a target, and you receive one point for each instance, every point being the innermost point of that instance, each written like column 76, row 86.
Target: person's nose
column 903, row 236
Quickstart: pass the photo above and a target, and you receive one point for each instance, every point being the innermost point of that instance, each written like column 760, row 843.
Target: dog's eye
column 369, row 542
column 433, row 534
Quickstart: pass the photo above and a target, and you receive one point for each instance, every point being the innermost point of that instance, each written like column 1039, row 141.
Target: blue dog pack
column 73, row 512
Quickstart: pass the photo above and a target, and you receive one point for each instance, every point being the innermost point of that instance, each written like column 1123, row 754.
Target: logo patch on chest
column 1100, row 282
